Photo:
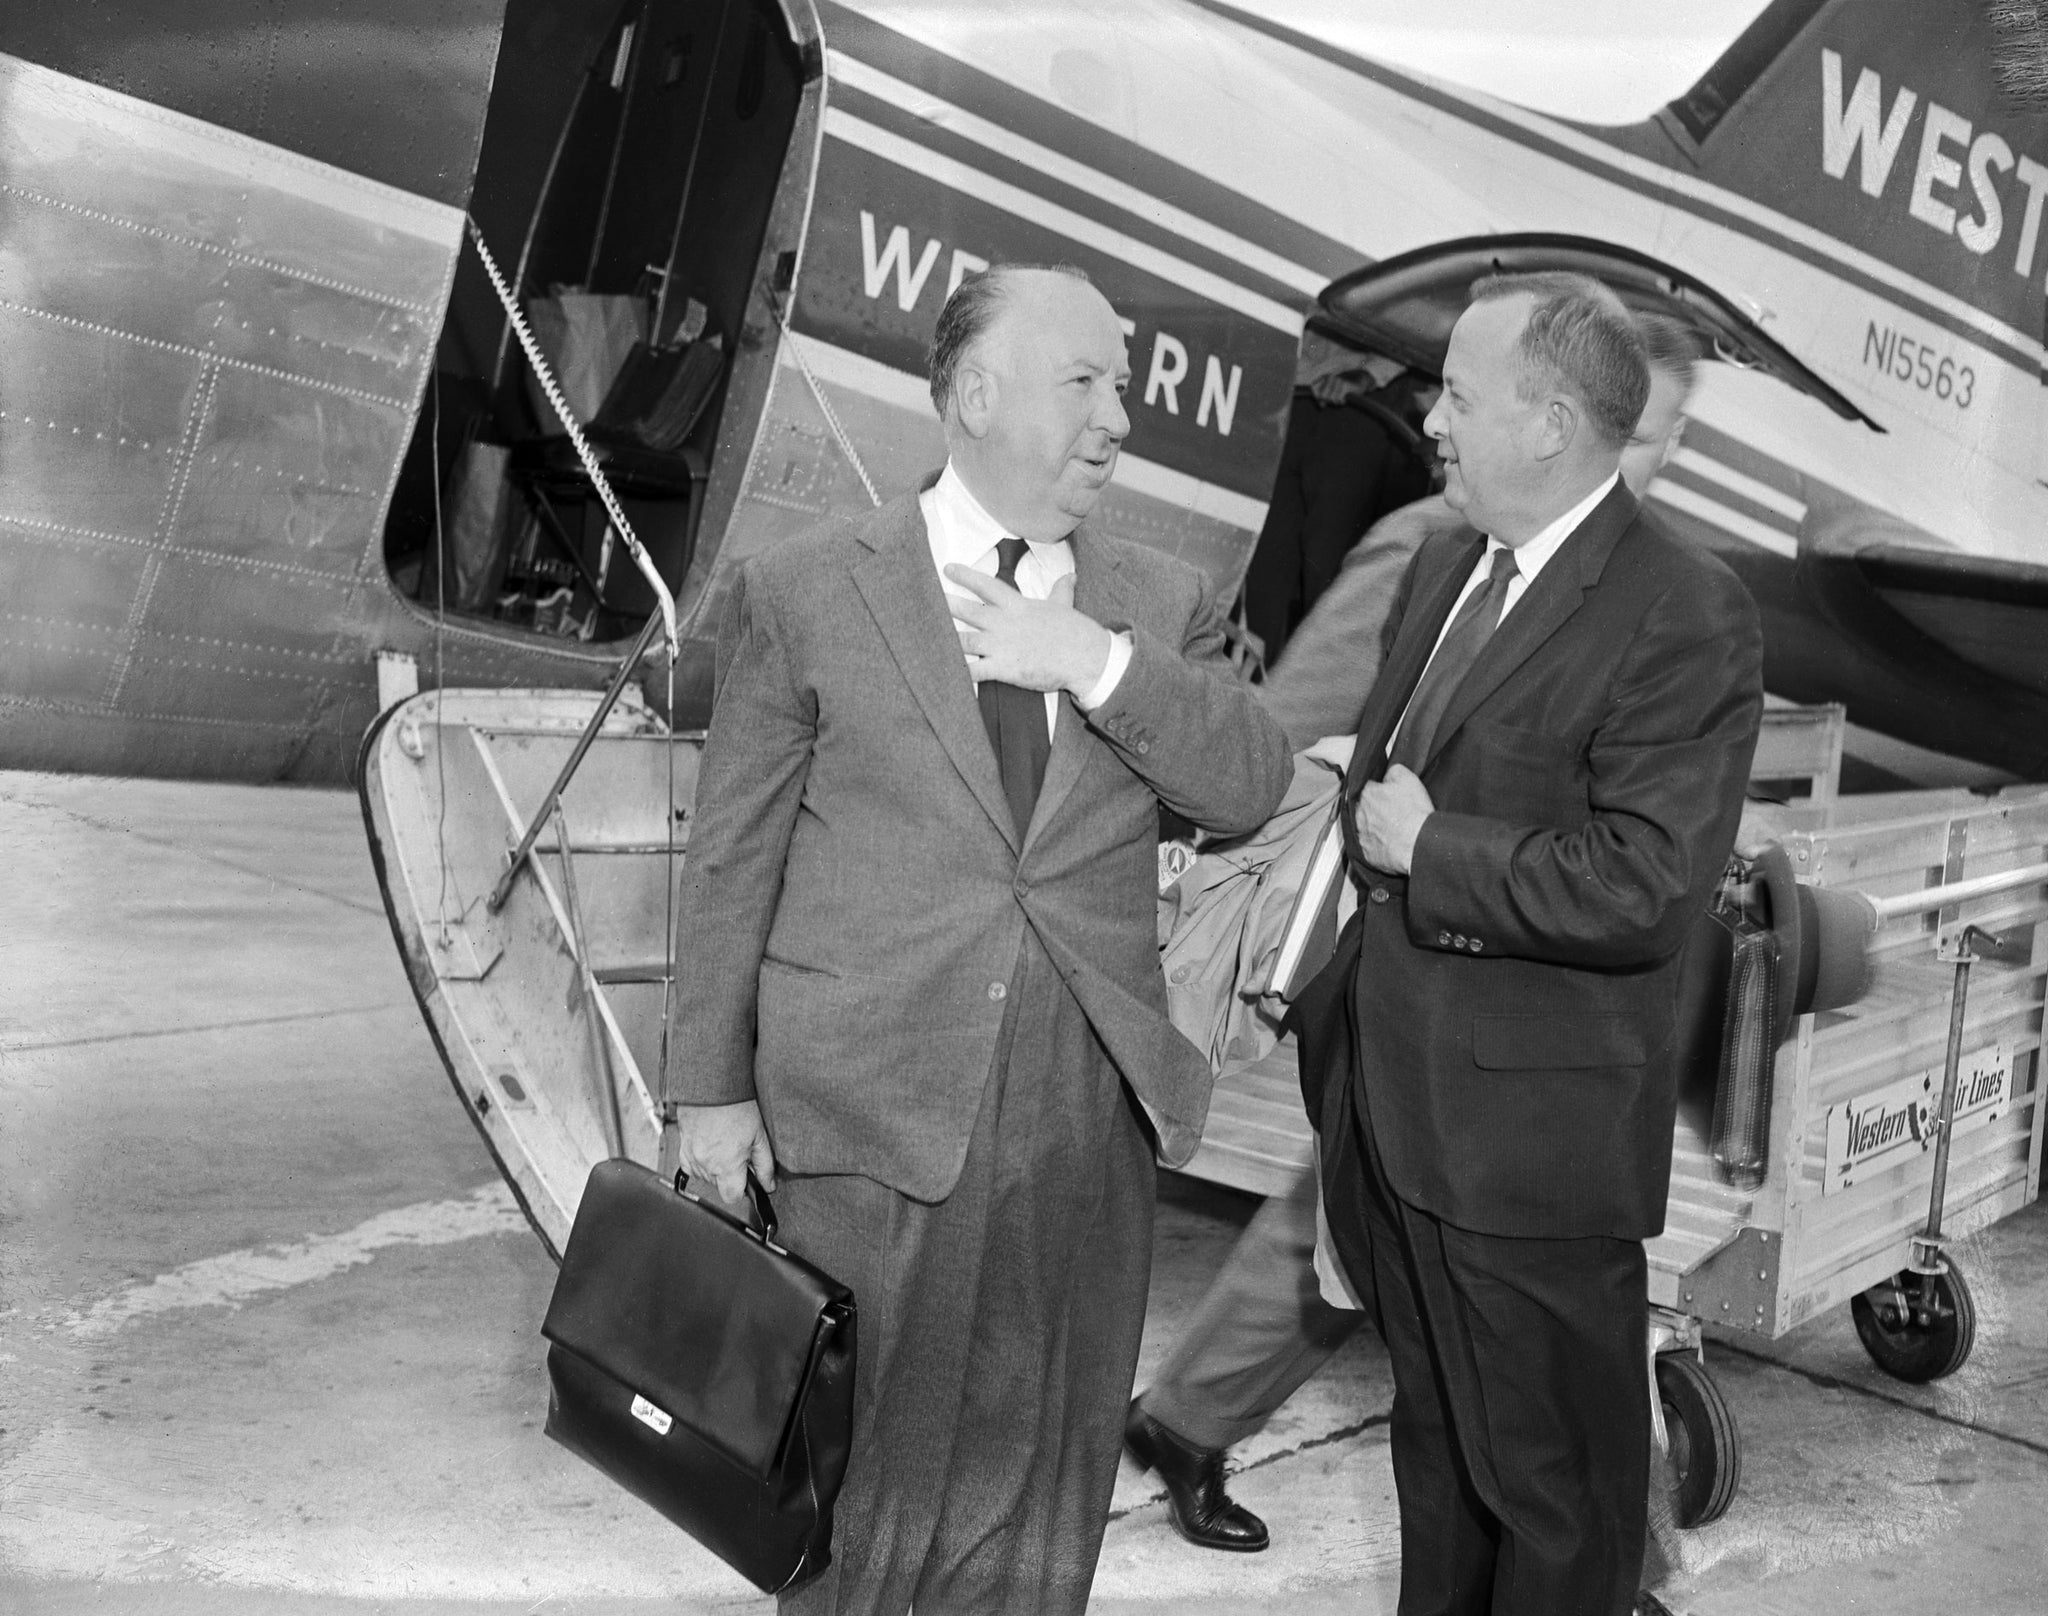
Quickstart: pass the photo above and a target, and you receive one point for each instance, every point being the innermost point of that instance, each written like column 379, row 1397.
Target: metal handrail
column 516, row 860
column 1941, row 897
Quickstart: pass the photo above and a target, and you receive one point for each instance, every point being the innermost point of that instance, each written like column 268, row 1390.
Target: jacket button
column 1182, row 972
column 1475, row 945
column 1457, row 942
column 1143, row 747
column 1379, row 894
column 998, row 991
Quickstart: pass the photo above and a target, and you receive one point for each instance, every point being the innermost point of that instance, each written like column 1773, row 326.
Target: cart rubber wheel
column 1915, row 1328
column 1705, row 1459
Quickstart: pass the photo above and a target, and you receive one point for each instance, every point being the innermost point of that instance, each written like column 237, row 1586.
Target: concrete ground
column 268, row 1322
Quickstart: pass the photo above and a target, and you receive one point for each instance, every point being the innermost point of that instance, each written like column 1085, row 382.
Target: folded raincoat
column 1224, row 922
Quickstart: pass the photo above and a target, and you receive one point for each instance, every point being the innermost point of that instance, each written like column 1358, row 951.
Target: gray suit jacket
column 1327, row 668
column 856, row 895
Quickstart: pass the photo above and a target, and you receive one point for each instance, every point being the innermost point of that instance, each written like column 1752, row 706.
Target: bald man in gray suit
column 918, row 974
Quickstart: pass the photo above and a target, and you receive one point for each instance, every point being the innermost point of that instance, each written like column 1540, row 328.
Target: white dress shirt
column 1530, row 559
column 963, row 534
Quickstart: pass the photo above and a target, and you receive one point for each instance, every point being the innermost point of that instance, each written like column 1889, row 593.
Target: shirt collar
column 1531, row 558
column 965, row 532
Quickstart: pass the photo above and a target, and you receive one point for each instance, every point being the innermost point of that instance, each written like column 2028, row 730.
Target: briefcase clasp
column 764, row 1210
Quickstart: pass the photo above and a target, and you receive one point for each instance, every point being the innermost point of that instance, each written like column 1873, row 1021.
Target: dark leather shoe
column 1203, row 1512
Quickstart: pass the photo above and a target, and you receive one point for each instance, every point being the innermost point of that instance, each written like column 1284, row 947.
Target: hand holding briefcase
column 704, row 1369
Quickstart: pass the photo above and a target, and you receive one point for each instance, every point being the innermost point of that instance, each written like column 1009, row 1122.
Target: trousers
column 998, row 1336
column 1521, row 1424
column 1261, row 1330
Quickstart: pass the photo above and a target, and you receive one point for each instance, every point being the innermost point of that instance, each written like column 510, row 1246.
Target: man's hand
column 1036, row 644
column 1762, row 824
column 1390, row 816
column 1339, row 387
column 720, row 1142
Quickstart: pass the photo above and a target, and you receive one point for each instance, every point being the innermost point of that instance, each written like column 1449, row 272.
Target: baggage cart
column 1864, row 1177
column 1906, row 1119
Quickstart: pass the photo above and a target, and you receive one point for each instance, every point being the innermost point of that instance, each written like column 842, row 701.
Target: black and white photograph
column 1023, row 808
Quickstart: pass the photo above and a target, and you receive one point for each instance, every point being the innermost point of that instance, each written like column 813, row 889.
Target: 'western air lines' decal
column 1212, row 363
column 1897, row 1122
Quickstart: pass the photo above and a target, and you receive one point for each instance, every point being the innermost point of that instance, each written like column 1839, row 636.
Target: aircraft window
column 1406, row 305
column 630, row 195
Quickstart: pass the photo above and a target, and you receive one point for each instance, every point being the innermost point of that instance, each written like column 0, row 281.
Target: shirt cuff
column 1112, row 673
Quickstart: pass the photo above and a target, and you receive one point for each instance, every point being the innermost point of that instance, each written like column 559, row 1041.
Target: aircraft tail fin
column 1699, row 113
column 1913, row 130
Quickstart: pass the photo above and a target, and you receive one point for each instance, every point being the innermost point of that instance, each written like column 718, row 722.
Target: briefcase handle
column 764, row 1209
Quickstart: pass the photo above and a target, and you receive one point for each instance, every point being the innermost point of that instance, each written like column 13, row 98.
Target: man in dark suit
column 1264, row 1327
column 1546, row 785
column 918, row 971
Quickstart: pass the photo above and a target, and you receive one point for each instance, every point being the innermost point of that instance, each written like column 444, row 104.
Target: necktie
column 1459, row 649
column 1015, row 718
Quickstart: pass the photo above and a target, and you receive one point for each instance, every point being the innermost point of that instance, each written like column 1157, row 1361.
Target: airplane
column 260, row 393
column 270, row 459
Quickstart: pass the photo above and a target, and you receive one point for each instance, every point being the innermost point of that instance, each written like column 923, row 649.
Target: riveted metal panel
column 392, row 89
column 216, row 348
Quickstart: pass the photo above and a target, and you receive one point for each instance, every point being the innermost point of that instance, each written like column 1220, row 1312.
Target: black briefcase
column 704, row 1369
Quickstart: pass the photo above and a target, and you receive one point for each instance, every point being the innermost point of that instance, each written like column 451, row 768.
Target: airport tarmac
column 269, row 1321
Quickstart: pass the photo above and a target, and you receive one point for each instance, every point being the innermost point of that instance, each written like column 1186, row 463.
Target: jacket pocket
column 1556, row 1043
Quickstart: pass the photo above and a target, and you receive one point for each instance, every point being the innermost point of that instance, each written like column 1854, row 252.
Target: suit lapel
column 1409, row 655
column 1100, row 592
column 1557, row 592
column 902, row 591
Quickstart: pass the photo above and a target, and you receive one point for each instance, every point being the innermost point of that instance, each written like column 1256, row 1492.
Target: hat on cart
column 1823, row 941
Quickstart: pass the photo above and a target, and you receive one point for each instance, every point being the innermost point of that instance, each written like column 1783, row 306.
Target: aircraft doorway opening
column 628, row 169
column 1354, row 452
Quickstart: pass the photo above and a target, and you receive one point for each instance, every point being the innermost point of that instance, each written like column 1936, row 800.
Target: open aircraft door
column 252, row 353
column 648, row 215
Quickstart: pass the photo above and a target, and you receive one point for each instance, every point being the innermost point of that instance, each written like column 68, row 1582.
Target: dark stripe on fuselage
column 1394, row 79
column 1730, row 499
column 1743, row 457
column 883, row 48
column 893, row 118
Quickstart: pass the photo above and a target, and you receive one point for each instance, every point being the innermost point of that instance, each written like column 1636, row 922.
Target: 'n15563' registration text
column 1919, row 364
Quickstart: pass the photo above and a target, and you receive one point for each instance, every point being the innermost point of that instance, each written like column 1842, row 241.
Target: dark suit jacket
column 855, row 896
column 1514, row 995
